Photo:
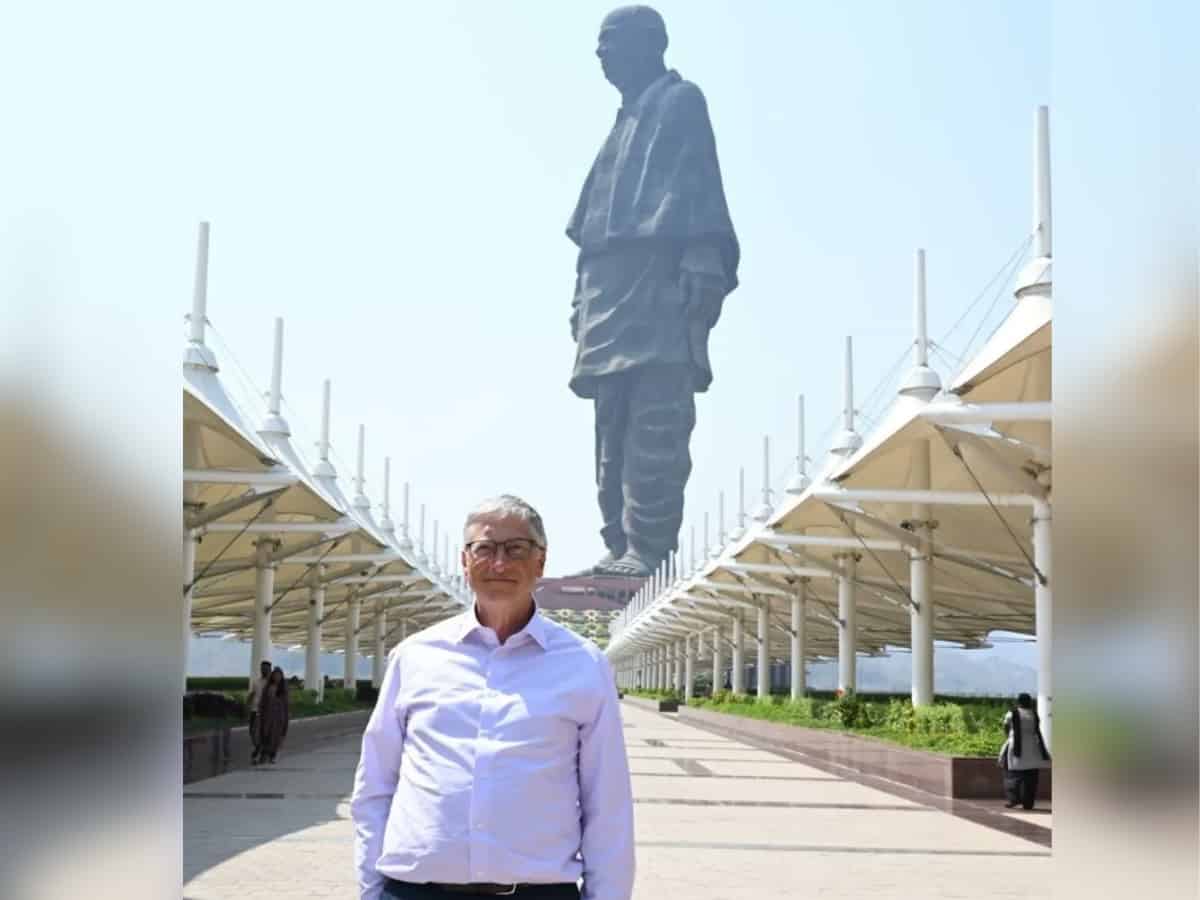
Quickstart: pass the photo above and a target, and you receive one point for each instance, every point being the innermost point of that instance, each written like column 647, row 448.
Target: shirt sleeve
column 375, row 781
column 606, row 798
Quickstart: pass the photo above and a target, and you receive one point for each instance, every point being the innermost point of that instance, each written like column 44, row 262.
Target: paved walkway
column 716, row 820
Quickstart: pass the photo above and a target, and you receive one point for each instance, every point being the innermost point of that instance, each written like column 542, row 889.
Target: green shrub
column 846, row 710
column 219, row 683
column 900, row 716
column 800, row 709
column 941, row 718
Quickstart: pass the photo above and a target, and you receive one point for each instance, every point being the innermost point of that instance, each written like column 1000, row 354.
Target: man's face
column 624, row 52
column 498, row 576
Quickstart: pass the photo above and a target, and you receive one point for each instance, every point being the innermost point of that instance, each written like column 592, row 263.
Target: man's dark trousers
column 644, row 421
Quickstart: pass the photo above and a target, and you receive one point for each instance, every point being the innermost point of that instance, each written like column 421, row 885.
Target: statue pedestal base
column 582, row 592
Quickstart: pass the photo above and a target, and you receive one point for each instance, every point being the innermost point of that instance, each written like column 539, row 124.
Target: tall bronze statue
column 657, row 256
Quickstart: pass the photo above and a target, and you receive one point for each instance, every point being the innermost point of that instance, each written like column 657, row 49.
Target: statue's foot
column 600, row 568
column 628, row 566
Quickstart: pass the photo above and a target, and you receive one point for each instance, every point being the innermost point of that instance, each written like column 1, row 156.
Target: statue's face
column 624, row 53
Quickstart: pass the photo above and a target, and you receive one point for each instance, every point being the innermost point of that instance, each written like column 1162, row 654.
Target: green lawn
column 951, row 726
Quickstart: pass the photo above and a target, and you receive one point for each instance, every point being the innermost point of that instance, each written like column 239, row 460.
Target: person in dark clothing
column 253, row 700
column 1024, row 754
column 272, row 716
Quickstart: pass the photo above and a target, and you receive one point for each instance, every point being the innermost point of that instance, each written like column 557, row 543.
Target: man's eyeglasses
column 516, row 549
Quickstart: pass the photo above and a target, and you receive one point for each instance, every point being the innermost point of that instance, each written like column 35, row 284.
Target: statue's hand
column 703, row 294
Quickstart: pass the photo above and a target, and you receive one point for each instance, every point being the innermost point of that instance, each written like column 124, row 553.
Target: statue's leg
column 662, row 414
column 612, row 412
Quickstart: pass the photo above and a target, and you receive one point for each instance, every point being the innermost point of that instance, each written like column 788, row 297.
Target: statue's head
column 631, row 45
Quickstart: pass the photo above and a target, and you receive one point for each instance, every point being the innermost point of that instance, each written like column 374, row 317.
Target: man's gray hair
column 504, row 507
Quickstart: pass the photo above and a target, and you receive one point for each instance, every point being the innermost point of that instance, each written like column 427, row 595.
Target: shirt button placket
column 479, row 817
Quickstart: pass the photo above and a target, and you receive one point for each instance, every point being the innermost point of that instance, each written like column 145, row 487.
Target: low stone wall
column 652, row 705
column 224, row 750
column 962, row 777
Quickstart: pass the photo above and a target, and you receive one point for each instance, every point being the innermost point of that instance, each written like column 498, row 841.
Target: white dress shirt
column 495, row 762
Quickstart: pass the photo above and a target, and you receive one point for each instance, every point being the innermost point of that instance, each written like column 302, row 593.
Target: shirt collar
column 535, row 627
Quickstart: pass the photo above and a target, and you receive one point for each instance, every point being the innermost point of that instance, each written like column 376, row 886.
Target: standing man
column 494, row 762
column 253, row 701
column 657, row 256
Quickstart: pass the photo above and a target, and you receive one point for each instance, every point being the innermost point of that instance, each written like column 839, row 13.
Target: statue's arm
column 575, row 309
column 703, row 282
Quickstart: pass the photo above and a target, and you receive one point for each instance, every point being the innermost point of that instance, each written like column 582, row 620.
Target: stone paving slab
column 823, row 790
column 760, row 826
column 704, row 754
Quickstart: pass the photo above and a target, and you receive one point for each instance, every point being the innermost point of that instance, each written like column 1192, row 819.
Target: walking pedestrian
column 272, row 716
column 253, row 699
column 1023, row 755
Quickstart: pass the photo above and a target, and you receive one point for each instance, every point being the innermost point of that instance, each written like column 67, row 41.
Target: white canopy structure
column 274, row 550
column 935, row 526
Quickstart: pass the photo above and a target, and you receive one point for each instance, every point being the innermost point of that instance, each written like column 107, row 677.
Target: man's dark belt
column 491, row 889
column 479, row 887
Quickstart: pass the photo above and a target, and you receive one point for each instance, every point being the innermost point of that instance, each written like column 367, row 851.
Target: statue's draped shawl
column 665, row 183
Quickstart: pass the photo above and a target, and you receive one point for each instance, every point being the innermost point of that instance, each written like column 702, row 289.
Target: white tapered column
column 312, row 652
column 386, row 523
column 920, row 570
column 739, row 655
column 799, row 480
column 196, row 354
column 922, row 384
column 718, row 670
column 1043, row 612
column 763, row 667
column 379, row 659
column 353, row 618
column 848, row 624
column 799, row 616
column 264, row 596
column 689, row 666
column 677, row 649
column 847, row 440
column 274, row 425
column 1042, row 222
column 763, row 513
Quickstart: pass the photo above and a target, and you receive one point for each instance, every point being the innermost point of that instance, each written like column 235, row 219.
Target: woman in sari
column 272, row 716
